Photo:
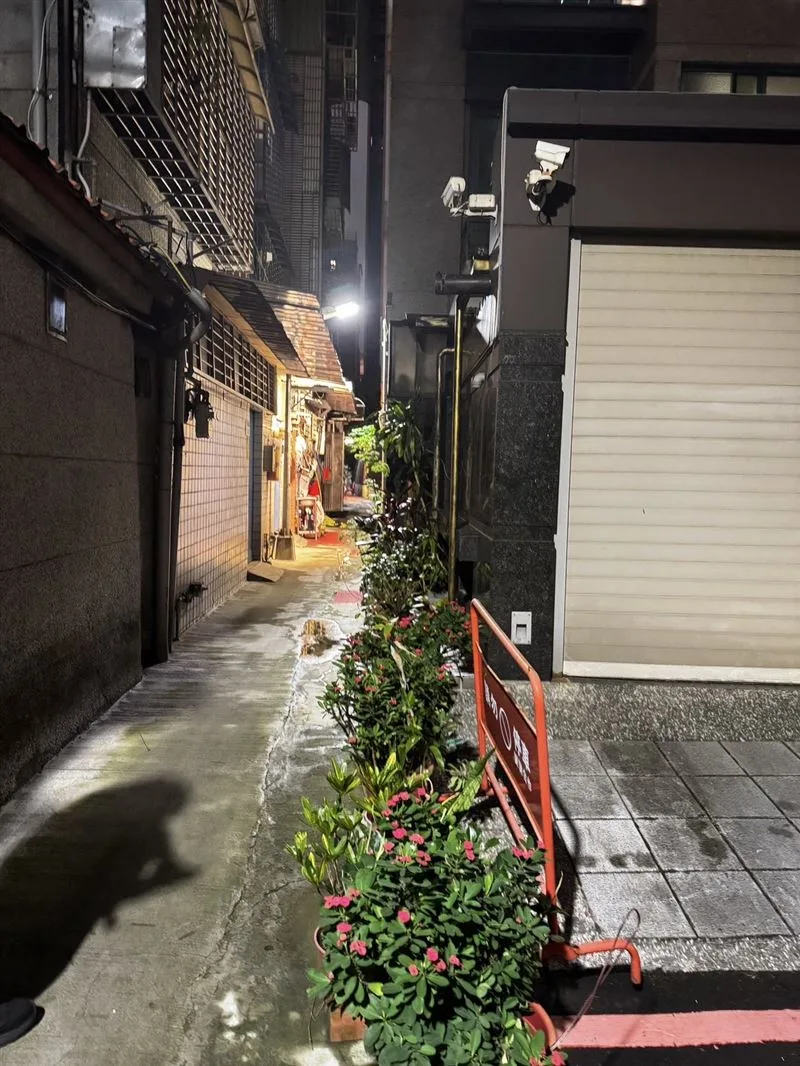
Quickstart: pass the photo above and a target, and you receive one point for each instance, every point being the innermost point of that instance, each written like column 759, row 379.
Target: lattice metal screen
column 205, row 103
column 225, row 355
column 194, row 137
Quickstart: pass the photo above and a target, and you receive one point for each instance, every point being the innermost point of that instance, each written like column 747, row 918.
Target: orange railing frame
column 543, row 823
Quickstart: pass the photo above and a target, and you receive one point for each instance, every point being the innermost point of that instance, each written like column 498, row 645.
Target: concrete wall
column 70, row 550
column 722, row 32
column 425, row 146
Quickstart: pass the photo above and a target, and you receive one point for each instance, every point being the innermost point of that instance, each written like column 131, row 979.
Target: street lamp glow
column 344, row 310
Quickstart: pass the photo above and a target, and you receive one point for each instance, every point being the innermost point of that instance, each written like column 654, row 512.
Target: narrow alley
column 145, row 889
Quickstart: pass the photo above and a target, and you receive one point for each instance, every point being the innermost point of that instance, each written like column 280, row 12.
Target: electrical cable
column 67, row 277
column 37, row 89
column 84, row 142
column 604, row 974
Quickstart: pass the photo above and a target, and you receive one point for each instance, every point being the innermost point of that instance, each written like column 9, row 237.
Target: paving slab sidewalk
column 691, row 844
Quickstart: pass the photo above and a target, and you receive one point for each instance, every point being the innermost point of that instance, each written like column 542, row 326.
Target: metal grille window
column 224, row 355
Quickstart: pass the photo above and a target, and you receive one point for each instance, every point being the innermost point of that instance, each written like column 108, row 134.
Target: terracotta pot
column 342, row 1027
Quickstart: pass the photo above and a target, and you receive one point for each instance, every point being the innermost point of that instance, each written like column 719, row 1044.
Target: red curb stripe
column 347, row 597
column 717, row 1027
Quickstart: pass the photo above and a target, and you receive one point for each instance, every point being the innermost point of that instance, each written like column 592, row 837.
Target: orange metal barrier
column 520, row 748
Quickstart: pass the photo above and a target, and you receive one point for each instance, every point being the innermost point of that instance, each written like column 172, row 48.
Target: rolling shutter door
column 683, row 542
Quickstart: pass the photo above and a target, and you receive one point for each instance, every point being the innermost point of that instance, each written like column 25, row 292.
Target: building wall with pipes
column 76, row 449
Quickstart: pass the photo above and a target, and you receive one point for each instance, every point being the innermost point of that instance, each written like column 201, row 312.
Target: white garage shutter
column 682, row 521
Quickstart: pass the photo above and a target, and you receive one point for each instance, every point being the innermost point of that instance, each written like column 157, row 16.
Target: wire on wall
column 37, row 91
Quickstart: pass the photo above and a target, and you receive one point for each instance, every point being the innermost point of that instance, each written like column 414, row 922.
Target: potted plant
column 435, row 944
column 391, row 696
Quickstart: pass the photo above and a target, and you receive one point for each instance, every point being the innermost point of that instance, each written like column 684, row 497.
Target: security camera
column 540, row 183
column 551, row 156
column 454, row 192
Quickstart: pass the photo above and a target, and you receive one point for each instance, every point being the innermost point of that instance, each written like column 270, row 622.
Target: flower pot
column 342, row 1027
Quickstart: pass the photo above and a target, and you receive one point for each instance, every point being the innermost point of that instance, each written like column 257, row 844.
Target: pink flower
column 352, row 741
column 344, row 927
column 423, row 858
column 440, row 966
column 455, row 960
column 522, row 853
column 359, row 947
column 416, row 838
column 413, row 970
column 432, row 955
column 469, row 850
column 404, row 623
column 393, row 701
column 418, row 652
column 387, row 813
column 388, row 847
column 421, row 793
column 404, row 796
column 403, row 917
column 404, row 859
column 558, row 1058
column 400, row 834
column 393, row 801
column 331, row 902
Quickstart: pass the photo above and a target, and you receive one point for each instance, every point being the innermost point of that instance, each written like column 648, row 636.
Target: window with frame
column 226, row 356
column 741, row 82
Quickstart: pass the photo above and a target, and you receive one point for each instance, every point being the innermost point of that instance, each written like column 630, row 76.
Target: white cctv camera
column 540, row 183
column 454, row 192
column 551, row 156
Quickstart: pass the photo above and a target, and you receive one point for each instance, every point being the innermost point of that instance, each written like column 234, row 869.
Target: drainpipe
column 197, row 303
column 170, row 467
column 38, row 130
column 287, row 464
column 166, row 431
column 452, row 580
column 437, row 444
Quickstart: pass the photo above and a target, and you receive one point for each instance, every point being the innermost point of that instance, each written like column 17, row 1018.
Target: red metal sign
column 514, row 741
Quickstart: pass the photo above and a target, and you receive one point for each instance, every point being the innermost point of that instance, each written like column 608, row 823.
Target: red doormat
column 330, row 539
column 347, row 597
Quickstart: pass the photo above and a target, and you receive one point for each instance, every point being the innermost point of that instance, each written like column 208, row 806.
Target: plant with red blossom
column 451, row 945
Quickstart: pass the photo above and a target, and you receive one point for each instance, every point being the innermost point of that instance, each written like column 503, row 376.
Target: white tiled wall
column 213, row 537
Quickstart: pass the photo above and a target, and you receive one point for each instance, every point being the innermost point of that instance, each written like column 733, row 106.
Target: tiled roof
column 17, row 148
column 301, row 317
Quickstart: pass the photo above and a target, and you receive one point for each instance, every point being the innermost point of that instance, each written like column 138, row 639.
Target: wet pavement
column 146, row 899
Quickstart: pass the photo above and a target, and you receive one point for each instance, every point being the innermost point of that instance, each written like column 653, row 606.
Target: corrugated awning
column 259, row 322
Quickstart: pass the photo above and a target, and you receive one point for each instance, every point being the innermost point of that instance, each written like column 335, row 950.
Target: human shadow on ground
column 75, row 870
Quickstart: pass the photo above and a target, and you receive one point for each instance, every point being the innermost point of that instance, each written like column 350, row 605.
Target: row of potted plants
column 429, row 933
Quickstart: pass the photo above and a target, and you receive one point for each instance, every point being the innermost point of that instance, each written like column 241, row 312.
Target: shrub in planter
column 435, row 945
column 392, row 698
column 400, row 564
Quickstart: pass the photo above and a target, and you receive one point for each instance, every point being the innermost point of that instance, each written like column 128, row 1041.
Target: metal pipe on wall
column 38, row 108
column 166, row 430
column 287, row 467
column 437, row 445
column 452, row 552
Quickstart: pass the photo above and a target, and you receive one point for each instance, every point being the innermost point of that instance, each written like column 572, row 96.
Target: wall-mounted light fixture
column 56, row 310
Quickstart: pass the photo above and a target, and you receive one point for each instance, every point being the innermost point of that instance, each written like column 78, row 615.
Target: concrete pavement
column 145, row 897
